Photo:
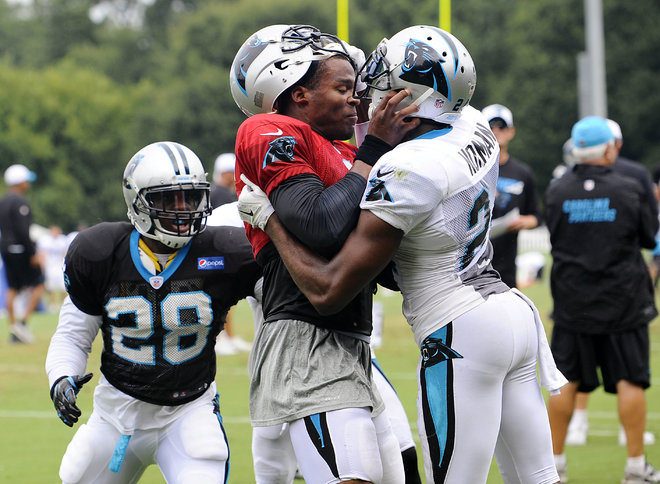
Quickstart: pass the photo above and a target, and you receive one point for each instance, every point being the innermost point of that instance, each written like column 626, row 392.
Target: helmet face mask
column 431, row 63
column 297, row 37
column 166, row 193
column 274, row 59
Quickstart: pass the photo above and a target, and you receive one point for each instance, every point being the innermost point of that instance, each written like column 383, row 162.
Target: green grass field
column 35, row 439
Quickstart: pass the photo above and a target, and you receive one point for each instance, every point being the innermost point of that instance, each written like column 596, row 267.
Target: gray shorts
column 298, row 369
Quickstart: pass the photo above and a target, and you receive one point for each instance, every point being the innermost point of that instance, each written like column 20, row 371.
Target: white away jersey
column 439, row 190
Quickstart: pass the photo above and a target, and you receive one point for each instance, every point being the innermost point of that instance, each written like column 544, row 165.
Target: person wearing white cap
column 223, row 194
column 223, row 189
column 516, row 195
column 631, row 168
column 18, row 251
column 602, row 292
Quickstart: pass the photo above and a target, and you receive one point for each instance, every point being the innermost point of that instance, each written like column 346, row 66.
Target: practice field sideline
column 35, row 439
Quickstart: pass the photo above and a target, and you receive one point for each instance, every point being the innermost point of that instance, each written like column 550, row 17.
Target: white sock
column 636, row 464
column 578, row 420
column 560, row 460
column 580, row 415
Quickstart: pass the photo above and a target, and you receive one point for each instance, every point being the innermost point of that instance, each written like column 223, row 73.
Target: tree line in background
column 81, row 92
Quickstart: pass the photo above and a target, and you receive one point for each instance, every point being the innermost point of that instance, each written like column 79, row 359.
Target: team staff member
column 158, row 289
column 311, row 371
column 18, row 251
column 516, row 190
column 428, row 205
column 603, row 295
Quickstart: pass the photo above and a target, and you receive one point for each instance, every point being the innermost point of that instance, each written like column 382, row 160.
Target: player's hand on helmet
column 388, row 122
column 64, row 393
column 253, row 205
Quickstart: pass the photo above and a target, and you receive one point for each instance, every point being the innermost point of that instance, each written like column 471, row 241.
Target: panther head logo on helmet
column 431, row 63
column 423, row 65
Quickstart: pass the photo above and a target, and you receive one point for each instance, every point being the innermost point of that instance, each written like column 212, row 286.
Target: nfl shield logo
column 156, row 281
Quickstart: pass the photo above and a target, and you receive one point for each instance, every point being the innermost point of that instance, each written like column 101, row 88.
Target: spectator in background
column 223, row 189
column 568, row 160
column 18, row 251
column 632, row 168
column 52, row 249
column 515, row 202
column 654, row 266
column 603, row 296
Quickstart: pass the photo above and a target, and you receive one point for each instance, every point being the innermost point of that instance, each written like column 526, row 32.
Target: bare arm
column 330, row 285
column 523, row 222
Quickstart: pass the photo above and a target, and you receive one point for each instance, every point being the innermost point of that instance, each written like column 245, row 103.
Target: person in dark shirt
column 19, row 252
column 223, row 189
column 632, row 169
column 157, row 289
column 515, row 202
column 603, row 296
column 579, row 426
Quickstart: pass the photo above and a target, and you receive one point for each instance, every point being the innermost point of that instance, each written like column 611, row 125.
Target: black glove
column 64, row 393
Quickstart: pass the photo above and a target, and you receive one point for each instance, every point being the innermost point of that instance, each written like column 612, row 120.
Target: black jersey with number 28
column 159, row 330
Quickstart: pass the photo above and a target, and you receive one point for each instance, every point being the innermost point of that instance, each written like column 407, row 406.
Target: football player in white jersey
column 158, row 290
column 428, row 207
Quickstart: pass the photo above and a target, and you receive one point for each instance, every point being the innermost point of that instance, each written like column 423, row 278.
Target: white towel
column 551, row 378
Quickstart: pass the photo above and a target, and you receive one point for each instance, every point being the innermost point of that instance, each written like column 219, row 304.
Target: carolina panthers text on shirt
column 589, row 210
column 477, row 152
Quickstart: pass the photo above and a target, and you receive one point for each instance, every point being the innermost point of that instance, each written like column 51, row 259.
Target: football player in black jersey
column 158, row 289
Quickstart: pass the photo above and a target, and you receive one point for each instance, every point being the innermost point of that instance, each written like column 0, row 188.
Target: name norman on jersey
column 477, row 152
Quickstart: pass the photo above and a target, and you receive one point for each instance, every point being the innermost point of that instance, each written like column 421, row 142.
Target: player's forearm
column 321, row 217
column 71, row 343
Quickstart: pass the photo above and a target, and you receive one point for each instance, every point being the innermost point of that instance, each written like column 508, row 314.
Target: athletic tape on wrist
column 371, row 149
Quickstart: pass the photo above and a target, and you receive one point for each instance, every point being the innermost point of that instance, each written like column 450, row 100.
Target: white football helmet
column 275, row 58
column 431, row 63
column 166, row 193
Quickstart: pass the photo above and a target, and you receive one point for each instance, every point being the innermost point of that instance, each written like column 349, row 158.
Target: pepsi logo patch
column 210, row 263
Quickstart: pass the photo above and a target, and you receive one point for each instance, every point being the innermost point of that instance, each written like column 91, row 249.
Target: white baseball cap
column 17, row 174
column 615, row 129
column 223, row 163
column 495, row 111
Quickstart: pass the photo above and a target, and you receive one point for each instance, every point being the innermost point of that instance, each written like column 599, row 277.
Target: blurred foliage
column 79, row 96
